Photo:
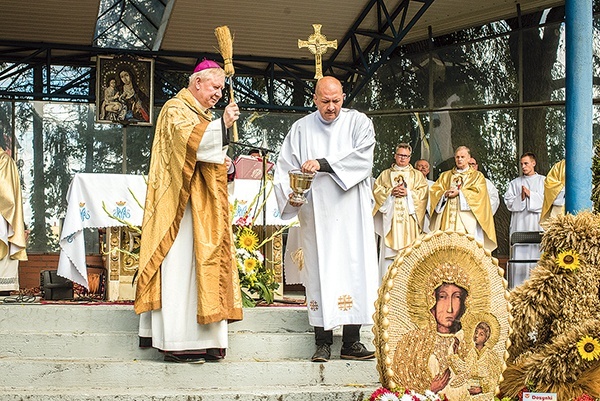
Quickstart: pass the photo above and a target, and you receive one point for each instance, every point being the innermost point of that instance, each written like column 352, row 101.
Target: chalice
column 300, row 184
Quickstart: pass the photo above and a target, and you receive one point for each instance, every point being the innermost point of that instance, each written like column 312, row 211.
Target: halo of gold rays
column 403, row 302
column 248, row 240
column 589, row 348
column 568, row 260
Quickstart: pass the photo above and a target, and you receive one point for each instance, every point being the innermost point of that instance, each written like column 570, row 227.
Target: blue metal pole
column 578, row 30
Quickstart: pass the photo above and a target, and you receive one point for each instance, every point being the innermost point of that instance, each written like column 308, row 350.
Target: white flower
column 430, row 395
column 406, row 397
column 388, row 397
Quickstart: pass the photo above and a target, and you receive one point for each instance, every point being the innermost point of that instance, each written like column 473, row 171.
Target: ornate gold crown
column 121, row 203
column 450, row 274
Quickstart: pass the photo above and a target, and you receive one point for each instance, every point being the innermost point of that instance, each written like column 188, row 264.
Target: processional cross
column 318, row 44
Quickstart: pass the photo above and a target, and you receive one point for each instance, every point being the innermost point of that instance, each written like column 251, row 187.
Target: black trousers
column 350, row 335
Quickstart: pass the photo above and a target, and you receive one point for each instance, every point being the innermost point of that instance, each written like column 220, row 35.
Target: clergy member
column 492, row 190
column 401, row 195
column 423, row 166
column 524, row 199
column 12, row 228
column 554, row 193
column 460, row 201
column 336, row 225
column 188, row 285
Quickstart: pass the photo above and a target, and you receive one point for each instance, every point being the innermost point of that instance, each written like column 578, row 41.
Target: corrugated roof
column 262, row 28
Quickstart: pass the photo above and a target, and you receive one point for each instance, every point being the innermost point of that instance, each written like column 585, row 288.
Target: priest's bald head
column 329, row 98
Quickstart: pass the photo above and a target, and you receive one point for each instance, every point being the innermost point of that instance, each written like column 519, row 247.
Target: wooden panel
column 29, row 270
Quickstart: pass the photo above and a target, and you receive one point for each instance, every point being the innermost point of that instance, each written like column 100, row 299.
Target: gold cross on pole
column 318, row 44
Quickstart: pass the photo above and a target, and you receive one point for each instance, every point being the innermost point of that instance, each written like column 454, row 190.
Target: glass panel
column 544, row 135
column 399, row 84
column 138, row 23
column 596, row 56
column 152, row 9
column 70, row 80
column 478, row 73
column 58, row 140
column 6, row 127
column 17, row 78
column 129, row 24
column 392, row 129
column 543, row 63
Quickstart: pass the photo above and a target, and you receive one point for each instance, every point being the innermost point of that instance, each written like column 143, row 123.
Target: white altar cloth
column 86, row 194
column 244, row 193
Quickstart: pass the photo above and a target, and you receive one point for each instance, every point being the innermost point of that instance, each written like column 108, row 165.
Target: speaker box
column 54, row 287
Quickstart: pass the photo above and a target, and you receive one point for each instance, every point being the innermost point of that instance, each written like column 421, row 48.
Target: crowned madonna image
column 441, row 320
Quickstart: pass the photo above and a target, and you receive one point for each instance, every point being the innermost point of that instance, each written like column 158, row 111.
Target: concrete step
column 102, row 318
column 23, row 373
column 273, row 393
column 110, row 332
column 90, row 352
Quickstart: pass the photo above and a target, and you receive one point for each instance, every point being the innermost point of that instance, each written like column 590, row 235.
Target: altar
column 93, row 198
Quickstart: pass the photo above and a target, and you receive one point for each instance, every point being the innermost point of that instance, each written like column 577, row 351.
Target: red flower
column 378, row 393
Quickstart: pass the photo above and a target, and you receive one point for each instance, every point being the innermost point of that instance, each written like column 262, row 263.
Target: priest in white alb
column 524, row 199
column 336, row 226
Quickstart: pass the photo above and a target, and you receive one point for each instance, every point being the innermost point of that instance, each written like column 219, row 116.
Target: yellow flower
column 568, row 260
column 250, row 265
column 589, row 348
column 248, row 240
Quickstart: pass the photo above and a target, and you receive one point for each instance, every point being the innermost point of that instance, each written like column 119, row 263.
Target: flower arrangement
column 398, row 394
column 255, row 277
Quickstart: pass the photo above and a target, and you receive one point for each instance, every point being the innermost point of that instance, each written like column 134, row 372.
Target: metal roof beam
column 392, row 28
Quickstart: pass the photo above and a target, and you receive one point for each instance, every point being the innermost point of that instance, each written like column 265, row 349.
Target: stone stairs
column 89, row 352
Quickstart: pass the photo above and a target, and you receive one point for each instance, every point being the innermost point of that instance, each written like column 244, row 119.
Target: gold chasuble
column 404, row 228
column 553, row 184
column 176, row 178
column 11, row 208
column 474, row 189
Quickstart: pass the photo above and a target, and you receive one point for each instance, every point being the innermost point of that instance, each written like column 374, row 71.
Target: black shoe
column 322, row 354
column 356, row 351
column 183, row 358
column 145, row 342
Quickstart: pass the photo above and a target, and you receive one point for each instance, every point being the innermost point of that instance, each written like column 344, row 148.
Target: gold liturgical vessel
column 300, row 183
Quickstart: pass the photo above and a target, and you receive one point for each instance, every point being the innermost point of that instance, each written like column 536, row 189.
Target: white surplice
column 174, row 327
column 336, row 227
column 525, row 217
column 494, row 196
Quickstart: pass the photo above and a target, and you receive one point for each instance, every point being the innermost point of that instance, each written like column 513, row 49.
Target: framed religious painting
column 124, row 90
